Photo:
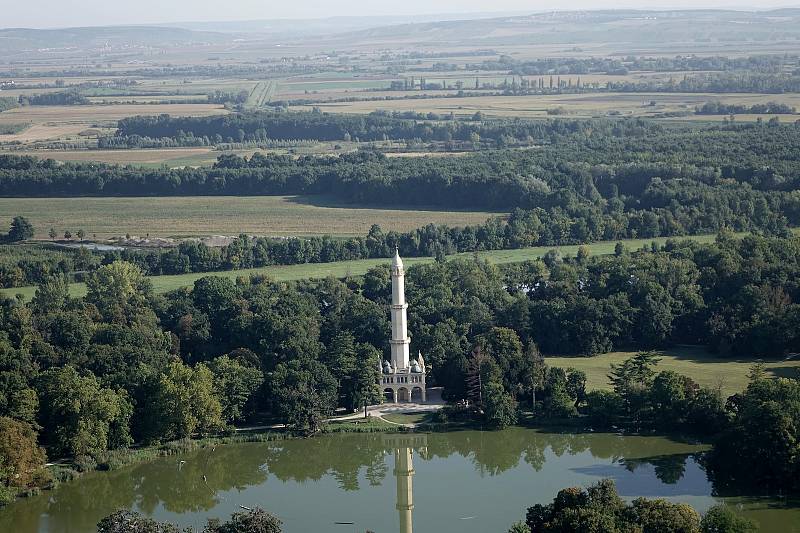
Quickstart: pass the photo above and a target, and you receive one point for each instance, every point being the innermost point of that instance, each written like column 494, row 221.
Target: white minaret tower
column 400, row 340
column 401, row 378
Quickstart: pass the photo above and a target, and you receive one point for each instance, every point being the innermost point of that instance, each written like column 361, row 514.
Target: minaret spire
column 400, row 340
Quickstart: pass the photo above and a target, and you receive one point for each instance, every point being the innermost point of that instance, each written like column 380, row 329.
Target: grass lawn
column 705, row 368
column 343, row 269
column 359, row 425
column 408, row 418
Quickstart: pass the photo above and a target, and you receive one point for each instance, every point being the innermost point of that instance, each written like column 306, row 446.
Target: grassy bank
column 360, row 267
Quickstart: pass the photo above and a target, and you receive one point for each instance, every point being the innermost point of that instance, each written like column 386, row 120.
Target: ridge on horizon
column 391, row 20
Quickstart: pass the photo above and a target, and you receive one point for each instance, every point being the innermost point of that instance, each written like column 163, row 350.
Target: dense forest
column 125, row 365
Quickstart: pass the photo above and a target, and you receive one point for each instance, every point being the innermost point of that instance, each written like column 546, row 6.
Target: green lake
column 458, row 482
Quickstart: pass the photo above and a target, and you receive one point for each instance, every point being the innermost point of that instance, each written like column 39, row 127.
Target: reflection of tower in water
column 403, row 447
column 403, row 471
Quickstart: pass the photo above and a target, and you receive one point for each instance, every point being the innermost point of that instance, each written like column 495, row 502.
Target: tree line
column 377, row 126
column 72, row 97
column 612, row 66
column 770, row 108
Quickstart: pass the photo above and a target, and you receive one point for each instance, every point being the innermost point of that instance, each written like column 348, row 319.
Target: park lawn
column 706, row 369
column 343, row 269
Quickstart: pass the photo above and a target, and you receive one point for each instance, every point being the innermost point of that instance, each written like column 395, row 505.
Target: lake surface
column 464, row 482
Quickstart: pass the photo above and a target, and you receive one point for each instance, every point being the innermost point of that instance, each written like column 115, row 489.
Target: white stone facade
column 403, row 377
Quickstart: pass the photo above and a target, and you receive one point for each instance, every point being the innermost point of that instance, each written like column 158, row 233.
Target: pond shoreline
column 347, row 471
column 69, row 469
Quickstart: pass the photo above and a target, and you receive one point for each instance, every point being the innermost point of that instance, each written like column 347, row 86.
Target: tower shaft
column 400, row 340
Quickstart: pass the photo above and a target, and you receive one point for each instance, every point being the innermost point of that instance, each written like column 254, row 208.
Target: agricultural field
column 192, row 156
column 261, row 94
column 172, row 157
column 572, row 105
column 705, row 368
column 70, row 122
column 279, row 216
column 343, row 269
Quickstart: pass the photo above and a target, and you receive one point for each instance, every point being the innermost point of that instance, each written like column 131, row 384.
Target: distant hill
column 25, row 39
column 633, row 31
column 564, row 27
column 326, row 26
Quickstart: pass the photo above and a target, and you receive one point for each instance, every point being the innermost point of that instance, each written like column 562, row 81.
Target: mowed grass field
column 343, row 269
column 705, row 368
column 279, row 216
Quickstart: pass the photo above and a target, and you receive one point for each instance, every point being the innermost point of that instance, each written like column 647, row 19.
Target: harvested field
column 220, row 215
column 58, row 122
column 168, row 156
column 572, row 105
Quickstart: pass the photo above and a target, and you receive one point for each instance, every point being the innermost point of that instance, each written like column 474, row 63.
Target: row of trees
column 770, row 108
column 622, row 66
column 55, row 98
column 724, row 82
column 378, row 126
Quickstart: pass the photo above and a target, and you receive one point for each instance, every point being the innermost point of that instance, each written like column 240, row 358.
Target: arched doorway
column 403, row 395
column 416, row 395
column 388, row 395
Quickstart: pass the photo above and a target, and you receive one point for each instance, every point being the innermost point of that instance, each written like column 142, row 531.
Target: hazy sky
column 60, row 13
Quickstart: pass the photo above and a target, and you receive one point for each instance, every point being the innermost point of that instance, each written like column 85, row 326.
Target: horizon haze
column 46, row 14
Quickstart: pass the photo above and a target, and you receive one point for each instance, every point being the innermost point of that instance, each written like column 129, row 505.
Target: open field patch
column 280, row 216
column 705, row 368
column 60, row 122
column 573, row 105
column 200, row 156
